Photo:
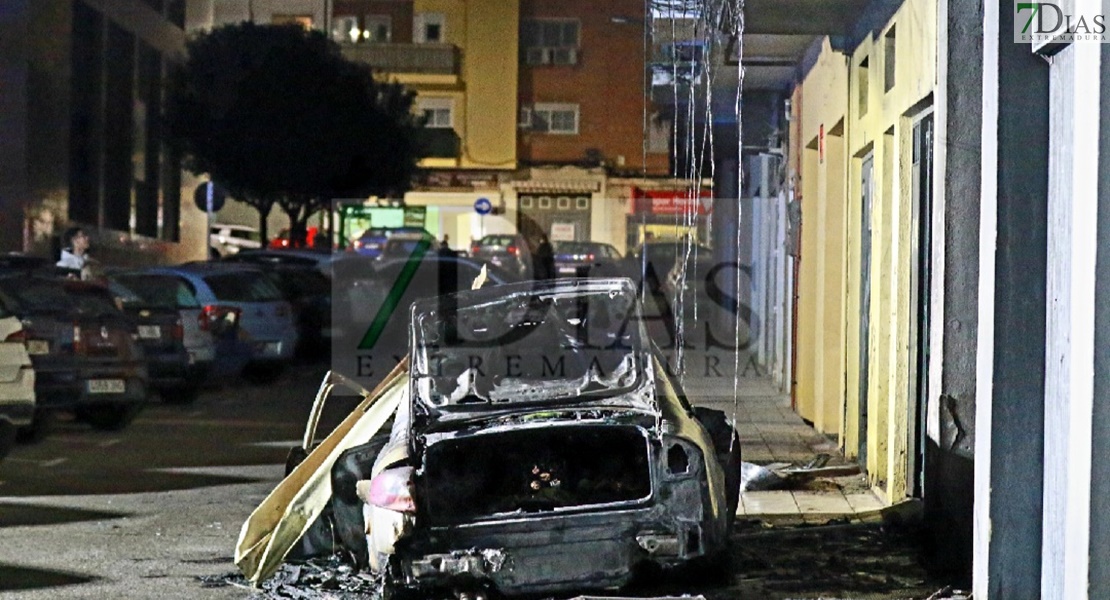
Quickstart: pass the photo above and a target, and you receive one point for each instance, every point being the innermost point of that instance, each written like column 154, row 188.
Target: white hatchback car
column 230, row 239
column 17, row 381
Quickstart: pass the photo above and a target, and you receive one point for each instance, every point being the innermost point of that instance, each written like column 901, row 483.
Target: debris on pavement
column 789, row 476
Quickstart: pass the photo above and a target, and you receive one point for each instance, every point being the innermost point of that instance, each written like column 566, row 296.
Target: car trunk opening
column 532, row 471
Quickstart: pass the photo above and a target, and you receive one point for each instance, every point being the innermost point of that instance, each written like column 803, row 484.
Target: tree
column 276, row 115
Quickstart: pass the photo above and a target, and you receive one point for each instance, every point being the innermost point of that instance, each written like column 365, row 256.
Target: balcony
column 430, row 59
column 438, row 142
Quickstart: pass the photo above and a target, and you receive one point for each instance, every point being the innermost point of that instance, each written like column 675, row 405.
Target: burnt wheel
column 108, row 417
column 726, row 444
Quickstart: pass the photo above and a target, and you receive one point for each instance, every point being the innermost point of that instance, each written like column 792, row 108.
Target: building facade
column 82, row 91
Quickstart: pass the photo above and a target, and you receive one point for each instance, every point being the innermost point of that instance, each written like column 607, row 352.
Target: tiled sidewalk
column 770, row 431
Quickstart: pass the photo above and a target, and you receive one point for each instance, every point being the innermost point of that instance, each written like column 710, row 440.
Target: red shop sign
column 673, row 202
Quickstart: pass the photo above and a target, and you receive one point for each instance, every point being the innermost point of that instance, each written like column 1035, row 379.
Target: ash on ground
column 331, row 578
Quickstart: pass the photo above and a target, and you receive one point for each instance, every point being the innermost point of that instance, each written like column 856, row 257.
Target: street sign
column 483, row 206
column 201, row 195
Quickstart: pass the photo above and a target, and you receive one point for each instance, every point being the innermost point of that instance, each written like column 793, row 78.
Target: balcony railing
column 440, row 59
column 438, row 142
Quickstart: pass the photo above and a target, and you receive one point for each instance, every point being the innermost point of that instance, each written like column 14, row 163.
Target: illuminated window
column 284, row 19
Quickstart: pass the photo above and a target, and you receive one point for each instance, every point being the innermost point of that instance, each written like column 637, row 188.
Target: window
column 549, row 42
column 555, row 118
column 346, row 29
column 861, row 86
column 379, row 29
column 285, row 19
column 438, row 112
column 429, row 28
column 889, row 49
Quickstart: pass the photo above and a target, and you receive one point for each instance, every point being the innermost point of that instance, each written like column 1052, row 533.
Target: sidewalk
column 771, row 432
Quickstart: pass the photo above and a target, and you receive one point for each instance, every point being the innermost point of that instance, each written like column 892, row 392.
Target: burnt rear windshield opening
column 528, row 345
column 533, row 471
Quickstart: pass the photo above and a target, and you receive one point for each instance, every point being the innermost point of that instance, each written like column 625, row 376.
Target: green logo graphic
column 1035, row 7
column 394, row 298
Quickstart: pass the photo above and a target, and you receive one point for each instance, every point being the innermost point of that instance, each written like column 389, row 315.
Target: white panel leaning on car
column 17, row 381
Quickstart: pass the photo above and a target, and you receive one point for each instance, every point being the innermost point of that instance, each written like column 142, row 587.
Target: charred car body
column 538, row 446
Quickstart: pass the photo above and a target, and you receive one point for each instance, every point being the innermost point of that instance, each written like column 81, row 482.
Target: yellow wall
column 829, row 341
column 487, row 35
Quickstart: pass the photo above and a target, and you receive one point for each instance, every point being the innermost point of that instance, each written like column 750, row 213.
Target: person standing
column 75, row 248
column 545, row 259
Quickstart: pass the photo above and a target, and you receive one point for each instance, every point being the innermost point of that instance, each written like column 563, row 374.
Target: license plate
column 106, row 386
column 150, row 332
column 38, row 347
column 271, row 348
column 568, row 270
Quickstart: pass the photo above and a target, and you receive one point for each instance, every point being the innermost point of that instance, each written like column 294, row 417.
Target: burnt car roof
column 529, row 346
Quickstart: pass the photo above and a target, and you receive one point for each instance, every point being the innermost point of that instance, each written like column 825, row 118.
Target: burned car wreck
column 537, row 445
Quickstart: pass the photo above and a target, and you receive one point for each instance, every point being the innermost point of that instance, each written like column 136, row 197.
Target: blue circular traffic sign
column 483, row 206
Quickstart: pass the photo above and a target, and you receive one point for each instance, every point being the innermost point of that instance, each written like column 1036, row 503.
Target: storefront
column 669, row 214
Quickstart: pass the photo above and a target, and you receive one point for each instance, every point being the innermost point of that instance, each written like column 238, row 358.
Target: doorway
column 867, row 192
column 920, row 280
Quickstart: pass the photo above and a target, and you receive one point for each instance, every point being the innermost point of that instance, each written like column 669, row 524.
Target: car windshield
column 527, row 342
column 153, row 291
column 243, row 286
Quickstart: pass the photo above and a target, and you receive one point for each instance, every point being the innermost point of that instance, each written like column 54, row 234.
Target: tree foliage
column 276, row 115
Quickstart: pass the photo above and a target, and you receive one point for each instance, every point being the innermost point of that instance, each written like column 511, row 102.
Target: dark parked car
column 166, row 315
column 308, row 291
column 81, row 344
column 372, row 241
column 587, row 259
column 376, row 304
column 510, row 252
column 538, row 446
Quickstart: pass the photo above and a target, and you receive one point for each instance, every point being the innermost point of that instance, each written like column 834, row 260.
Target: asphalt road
column 143, row 512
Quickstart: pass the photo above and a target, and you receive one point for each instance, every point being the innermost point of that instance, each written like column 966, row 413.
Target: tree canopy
column 276, row 114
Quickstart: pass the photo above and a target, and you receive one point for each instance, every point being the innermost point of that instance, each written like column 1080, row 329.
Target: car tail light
column 391, row 489
column 474, row 250
column 213, row 314
column 512, row 250
column 589, row 257
column 356, row 244
column 19, row 337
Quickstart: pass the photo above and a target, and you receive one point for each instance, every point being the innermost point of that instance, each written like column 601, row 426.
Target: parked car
column 173, row 330
column 394, row 285
column 405, row 245
column 308, row 291
column 229, row 239
column 82, row 348
column 510, row 252
column 295, row 257
column 372, row 241
column 584, row 259
column 267, row 330
column 17, row 380
column 489, row 480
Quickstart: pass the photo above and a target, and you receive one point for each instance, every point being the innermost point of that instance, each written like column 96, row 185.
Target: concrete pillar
column 1010, row 425
column 950, row 423
column 1069, row 352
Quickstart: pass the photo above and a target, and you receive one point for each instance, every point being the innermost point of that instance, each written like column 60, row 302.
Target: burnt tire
column 108, row 417
column 726, row 444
